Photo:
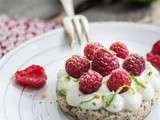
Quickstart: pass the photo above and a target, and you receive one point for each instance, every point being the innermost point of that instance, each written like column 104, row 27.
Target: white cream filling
column 132, row 101
column 117, row 104
column 129, row 101
column 148, row 92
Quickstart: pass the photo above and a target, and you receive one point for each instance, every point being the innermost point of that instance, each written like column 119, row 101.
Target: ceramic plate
column 50, row 51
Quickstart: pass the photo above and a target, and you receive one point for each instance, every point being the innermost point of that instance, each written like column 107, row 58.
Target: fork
column 76, row 26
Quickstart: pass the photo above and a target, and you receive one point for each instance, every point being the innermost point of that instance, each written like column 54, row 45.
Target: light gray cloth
column 104, row 12
column 30, row 8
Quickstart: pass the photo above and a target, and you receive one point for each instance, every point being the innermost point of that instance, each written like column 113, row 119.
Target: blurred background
column 95, row 10
column 21, row 20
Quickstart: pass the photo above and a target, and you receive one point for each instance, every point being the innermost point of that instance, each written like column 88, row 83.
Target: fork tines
column 76, row 27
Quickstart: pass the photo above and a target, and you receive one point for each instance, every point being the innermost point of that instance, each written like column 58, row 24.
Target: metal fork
column 76, row 26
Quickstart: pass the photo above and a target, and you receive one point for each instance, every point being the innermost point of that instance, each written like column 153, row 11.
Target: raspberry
column 120, row 49
column 33, row 76
column 76, row 66
column 154, row 59
column 119, row 78
column 104, row 62
column 156, row 48
column 91, row 48
column 90, row 82
column 101, row 52
column 134, row 64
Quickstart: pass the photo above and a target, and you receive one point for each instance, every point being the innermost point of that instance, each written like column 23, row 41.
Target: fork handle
column 68, row 7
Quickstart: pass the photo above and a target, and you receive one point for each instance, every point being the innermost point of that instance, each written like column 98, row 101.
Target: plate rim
column 152, row 27
column 41, row 37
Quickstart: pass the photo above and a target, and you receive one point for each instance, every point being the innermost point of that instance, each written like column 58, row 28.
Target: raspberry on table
column 134, row 64
column 104, row 62
column 90, row 82
column 91, row 48
column 154, row 60
column 33, row 76
column 119, row 78
column 76, row 66
column 156, row 48
column 120, row 49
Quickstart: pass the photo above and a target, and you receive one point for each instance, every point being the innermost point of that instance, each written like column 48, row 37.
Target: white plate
column 49, row 50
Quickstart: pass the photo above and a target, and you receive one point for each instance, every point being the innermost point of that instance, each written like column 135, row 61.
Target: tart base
column 78, row 114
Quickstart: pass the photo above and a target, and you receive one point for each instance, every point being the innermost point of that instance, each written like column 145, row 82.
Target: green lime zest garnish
column 62, row 92
column 138, row 82
column 131, row 90
column 109, row 50
column 113, row 98
column 94, row 104
column 116, row 93
column 112, row 52
column 150, row 73
column 108, row 102
column 89, row 100
column 67, row 77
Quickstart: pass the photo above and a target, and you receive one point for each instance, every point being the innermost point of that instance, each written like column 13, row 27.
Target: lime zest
column 138, row 82
column 112, row 52
column 93, row 103
column 150, row 73
column 112, row 98
column 108, row 102
column 67, row 77
column 109, row 50
column 62, row 92
column 89, row 100
column 115, row 94
column 131, row 90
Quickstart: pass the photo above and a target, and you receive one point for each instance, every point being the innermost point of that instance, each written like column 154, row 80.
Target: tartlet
column 79, row 114
column 107, row 84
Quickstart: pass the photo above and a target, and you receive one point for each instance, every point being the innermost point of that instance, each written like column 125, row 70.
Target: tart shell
column 80, row 114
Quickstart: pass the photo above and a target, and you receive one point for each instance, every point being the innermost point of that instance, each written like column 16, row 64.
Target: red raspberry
column 104, row 62
column 91, row 48
column 33, row 76
column 118, row 79
column 120, row 49
column 156, row 48
column 90, row 82
column 101, row 52
column 134, row 64
column 154, row 59
column 76, row 66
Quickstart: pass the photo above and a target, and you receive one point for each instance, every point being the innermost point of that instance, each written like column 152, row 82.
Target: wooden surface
column 48, row 9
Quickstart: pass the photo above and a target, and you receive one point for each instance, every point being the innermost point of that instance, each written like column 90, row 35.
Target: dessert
column 106, row 85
